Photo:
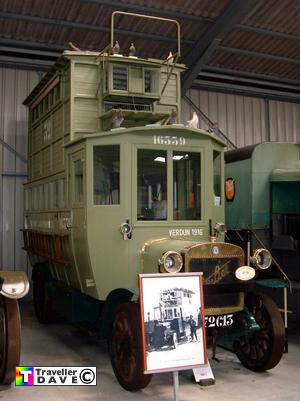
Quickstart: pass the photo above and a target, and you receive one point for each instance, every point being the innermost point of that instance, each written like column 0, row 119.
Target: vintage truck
column 118, row 186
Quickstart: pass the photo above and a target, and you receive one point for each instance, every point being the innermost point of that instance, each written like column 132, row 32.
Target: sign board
column 172, row 318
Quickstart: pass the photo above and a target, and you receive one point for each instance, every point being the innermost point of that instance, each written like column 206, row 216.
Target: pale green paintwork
column 115, row 262
column 253, row 176
column 101, row 260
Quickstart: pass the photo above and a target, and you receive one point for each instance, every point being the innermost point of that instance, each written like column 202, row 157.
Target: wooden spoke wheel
column 10, row 339
column 42, row 301
column 263, row 349
column 126, row 348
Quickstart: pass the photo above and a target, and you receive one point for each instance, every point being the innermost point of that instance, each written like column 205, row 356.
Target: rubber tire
column 42, row 301
column 125, row 345
column 269, row 340
column 10, row 339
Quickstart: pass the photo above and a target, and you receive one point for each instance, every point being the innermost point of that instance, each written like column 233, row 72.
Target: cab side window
column 186, row 186
column 78, row 182
column 217, row 178
column 107, row 175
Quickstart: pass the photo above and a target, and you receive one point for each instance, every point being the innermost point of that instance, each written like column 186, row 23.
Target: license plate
column 219, row 321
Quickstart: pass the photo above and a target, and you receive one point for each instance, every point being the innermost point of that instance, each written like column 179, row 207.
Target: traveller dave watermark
column 56, row 376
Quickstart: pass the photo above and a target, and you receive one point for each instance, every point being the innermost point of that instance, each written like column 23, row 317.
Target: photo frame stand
column 203, row 375
column 176, row 385
column 172, row 323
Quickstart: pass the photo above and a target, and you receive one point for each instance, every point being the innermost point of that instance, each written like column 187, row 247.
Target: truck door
column 78, row 229
column 109, row 194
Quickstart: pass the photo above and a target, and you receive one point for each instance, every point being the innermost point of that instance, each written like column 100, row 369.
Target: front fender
column 13, row 284
column 114, row 298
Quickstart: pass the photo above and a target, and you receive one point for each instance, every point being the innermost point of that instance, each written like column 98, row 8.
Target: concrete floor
column 60, row 344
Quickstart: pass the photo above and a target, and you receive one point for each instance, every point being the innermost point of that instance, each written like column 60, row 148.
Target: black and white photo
column 172, row 321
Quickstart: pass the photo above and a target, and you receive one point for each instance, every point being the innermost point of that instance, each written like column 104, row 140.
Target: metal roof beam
column 178, row 14
column 24, row 64
column 146, row 9
column 22, row 49
column 34, row 52
column 27, row 44
column 234, row 73
column 264, row 31
column 241, row 88
column 77, row 25
column 258, row 54
column 239, row 80
column 231, row 14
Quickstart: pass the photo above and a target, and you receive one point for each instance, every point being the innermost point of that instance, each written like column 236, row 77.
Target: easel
column 202, row 374
column 176, row 385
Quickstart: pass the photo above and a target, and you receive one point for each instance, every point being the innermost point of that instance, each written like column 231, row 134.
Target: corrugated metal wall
column 284, row 121
column 246, row 120
column 15, row 85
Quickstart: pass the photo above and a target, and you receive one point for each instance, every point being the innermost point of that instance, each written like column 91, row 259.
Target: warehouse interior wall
column 284, row 121
column 15, row 85
column 244, row 119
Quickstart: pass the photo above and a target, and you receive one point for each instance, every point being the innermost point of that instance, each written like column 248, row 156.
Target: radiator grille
column 216, row 271
column 218, row 275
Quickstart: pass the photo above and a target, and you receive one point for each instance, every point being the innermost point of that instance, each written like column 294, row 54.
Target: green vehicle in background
column 266, row 204
column 118, row 186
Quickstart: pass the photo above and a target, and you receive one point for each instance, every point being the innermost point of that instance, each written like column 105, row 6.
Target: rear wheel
column 264, row 348
column 10, row 339
column 126, row 351
column 41, row 300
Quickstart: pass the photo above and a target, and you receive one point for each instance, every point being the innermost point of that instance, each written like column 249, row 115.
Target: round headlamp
column 170, row 262
column 261, row 258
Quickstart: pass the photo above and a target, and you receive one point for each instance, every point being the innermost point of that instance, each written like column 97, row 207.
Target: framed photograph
column 172, row 316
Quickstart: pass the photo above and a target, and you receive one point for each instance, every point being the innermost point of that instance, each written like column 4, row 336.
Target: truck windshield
column 152, row 185
column 186, row 186
column 152, row 193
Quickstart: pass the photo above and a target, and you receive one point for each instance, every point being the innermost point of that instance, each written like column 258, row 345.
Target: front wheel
column 264, row 348
column 126, row 351
column 10, row 339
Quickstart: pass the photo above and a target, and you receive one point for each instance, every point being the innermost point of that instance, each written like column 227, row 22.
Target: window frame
column 93, row 173
column 169, row 150
column 77, row 156
column 111, row 80
column 157, row 72
column 200, row 155
column 222, row 179
column 136, row 183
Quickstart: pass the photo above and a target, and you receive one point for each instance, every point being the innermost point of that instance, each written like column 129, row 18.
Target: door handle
column 126, row 230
